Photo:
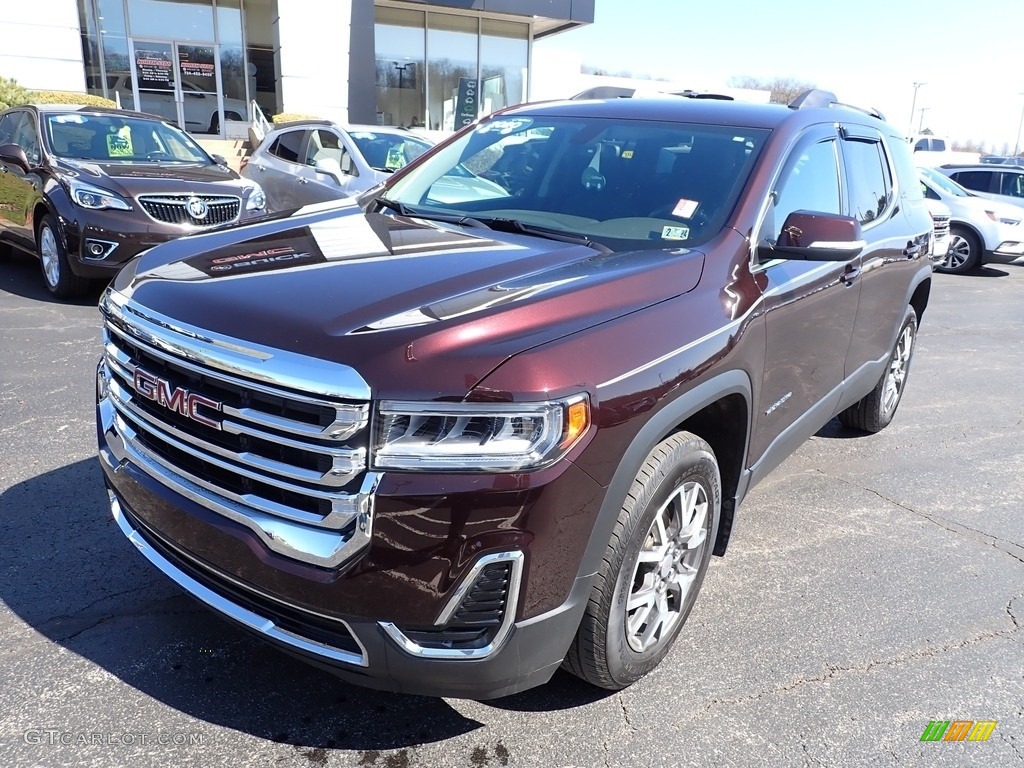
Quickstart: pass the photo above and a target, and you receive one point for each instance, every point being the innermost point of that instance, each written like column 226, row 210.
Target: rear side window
column 869, row 179
column 906, row 173
column 287, row 146
column 979, row 181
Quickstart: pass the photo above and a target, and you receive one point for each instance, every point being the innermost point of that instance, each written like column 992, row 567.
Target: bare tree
column 784, row 89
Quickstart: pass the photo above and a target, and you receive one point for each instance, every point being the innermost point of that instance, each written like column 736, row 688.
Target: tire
column 875, row 412
column 964, row 254
column 60, row 281
column 635, row 613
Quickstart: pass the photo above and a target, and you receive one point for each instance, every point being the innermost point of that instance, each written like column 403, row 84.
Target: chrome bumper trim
column 507, row 621
column 254, row 621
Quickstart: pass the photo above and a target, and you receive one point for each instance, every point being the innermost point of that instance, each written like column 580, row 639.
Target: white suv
column 980, row 229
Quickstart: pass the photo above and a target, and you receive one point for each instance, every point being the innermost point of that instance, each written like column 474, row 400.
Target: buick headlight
column 467, row 437
column 95, row 198
column 257, row 199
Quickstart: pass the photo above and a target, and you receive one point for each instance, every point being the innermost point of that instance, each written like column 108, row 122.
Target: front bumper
column 362, row 620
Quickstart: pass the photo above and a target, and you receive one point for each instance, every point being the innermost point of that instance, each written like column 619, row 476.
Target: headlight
column 467, row 437
column 257, row 200
column 94, row 198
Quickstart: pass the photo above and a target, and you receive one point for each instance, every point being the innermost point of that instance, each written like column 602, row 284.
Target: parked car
column 86, row 189
column 199, row 107
column 939, row 248
column 980, row 228
column 932, row 151
column 1002, row 160
column 313, row 161
column 446, row 448
column 997, row 182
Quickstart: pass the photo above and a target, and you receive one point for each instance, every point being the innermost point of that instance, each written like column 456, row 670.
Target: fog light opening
column 97, row 250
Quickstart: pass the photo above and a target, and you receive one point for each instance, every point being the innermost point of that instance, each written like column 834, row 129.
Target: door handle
column 850, row 274
column 303, row 181
column 260, row 167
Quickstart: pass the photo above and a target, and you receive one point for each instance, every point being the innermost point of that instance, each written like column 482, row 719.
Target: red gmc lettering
column 177, row 399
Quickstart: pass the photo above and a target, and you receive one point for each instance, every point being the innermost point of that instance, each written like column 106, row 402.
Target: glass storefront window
column 233, row 69
column 452, row 85
column 399, row 42
column 174, row 19
column 504, row 56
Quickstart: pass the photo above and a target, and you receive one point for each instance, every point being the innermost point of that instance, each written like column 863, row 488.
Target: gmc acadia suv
column 446, row 443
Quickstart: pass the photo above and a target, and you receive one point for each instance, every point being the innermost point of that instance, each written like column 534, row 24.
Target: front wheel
column 654, row 565
column 874, row 412
column 60, row 280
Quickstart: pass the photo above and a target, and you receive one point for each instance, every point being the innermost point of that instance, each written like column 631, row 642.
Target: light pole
column 913, row 104
column 401, row 74
column 920, row 122
column 1016, row 147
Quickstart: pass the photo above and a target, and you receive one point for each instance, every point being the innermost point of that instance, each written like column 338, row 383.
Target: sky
column 969, row 54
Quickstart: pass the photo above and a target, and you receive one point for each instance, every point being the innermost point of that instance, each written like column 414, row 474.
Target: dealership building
column 203, row 63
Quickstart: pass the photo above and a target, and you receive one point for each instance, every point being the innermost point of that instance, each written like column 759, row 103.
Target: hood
column 146, row 178
column 415, row 307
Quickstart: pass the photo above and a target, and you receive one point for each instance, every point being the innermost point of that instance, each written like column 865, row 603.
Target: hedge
column 291, row 117
column 69, row 97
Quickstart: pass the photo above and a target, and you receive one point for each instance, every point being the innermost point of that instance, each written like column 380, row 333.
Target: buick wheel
column 57, row 275
column 964, row 254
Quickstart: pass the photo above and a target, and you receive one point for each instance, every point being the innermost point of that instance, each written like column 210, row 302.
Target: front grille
column 175, row 209
column 270, row 451
column 941, row 226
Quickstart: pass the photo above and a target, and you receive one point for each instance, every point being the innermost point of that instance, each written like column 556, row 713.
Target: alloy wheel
column 898, row 368
column 959, row 253
column 49, row 255
column 667, row 566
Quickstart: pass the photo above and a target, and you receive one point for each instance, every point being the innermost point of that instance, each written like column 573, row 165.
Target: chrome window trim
column 217, row 602
column 516, row 558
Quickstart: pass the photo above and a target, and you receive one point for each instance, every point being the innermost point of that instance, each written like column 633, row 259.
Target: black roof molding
column 817, row 98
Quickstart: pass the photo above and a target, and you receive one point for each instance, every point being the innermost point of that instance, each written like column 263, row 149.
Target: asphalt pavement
column 873, row 584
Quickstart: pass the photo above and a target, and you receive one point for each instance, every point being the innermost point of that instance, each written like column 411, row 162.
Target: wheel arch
column 718, row 411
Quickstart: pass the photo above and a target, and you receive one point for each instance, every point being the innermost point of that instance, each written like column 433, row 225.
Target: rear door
column 891, row 257
column 278, row 168
column 810, row 307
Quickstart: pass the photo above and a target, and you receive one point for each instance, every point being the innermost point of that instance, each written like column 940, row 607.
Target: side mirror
column 346, row 163
column 219, row 159
column 12, row 153
column 329, row 167
column 811, row 236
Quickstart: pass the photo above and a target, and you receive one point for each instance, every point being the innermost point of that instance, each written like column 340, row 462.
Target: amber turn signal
column 577, row 419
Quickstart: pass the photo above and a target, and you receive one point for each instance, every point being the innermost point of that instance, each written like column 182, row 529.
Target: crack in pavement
column 625, row 716
column 1007, row 547
column 146, row 610
column 834, row 672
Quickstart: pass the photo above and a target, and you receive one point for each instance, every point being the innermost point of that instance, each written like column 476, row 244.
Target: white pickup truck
column 933, row 151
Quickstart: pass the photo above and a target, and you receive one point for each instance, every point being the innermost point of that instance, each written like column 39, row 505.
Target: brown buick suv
column 86, row 189
column 495, row 416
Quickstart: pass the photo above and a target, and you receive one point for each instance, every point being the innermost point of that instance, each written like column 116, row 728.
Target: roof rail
column 816, row 97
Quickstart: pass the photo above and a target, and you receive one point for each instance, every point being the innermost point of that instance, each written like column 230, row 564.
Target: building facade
column 203, row 63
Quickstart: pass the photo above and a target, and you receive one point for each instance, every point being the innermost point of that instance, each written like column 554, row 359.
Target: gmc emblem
column 175, row 398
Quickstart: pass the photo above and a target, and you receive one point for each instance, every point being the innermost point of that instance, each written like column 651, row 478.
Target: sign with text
column 468, row 100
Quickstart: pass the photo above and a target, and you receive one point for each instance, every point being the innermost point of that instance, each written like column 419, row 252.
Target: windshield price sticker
column 675, row 233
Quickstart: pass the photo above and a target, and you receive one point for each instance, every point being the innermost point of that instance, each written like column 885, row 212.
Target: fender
column 653, row 432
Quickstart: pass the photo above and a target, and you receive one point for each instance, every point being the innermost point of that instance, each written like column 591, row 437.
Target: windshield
column 112, row 138
column 944, row 183
column 628, row 184
column 384, row 151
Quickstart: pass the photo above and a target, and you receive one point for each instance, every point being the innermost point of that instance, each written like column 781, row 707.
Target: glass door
column 179, row 82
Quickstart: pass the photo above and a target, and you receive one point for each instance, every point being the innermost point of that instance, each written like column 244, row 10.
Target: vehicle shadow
column 81, row 585
column 988, row 271
column 20, row 275
column 835, row 429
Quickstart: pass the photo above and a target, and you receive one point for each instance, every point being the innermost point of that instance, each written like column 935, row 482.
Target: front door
column 179, row 82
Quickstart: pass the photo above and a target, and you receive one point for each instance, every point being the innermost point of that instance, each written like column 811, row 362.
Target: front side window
column 809, row 182
column 1011, row 184
column 326, row 147
column 25, row 136
column 870, row 182
column 386, row 151
column 624, row 183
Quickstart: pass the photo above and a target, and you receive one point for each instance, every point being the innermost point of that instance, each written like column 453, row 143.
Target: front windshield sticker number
column 627, row 154
column 505, row 127
column 120, row 144
column 361, row 136
column 74, row 119
column 395, row 158
column 685, row 208
column 675, row 233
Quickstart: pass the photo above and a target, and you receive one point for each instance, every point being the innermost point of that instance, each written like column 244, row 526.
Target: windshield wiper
column 515, row 225
column 383, row 170
column 447, row 218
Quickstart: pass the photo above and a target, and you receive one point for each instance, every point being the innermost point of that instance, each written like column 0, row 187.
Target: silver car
column 996, row 182
column 314, row 161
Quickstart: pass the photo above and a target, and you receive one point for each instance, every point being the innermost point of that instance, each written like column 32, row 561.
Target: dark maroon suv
column 86, row 189
column 496, row 416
